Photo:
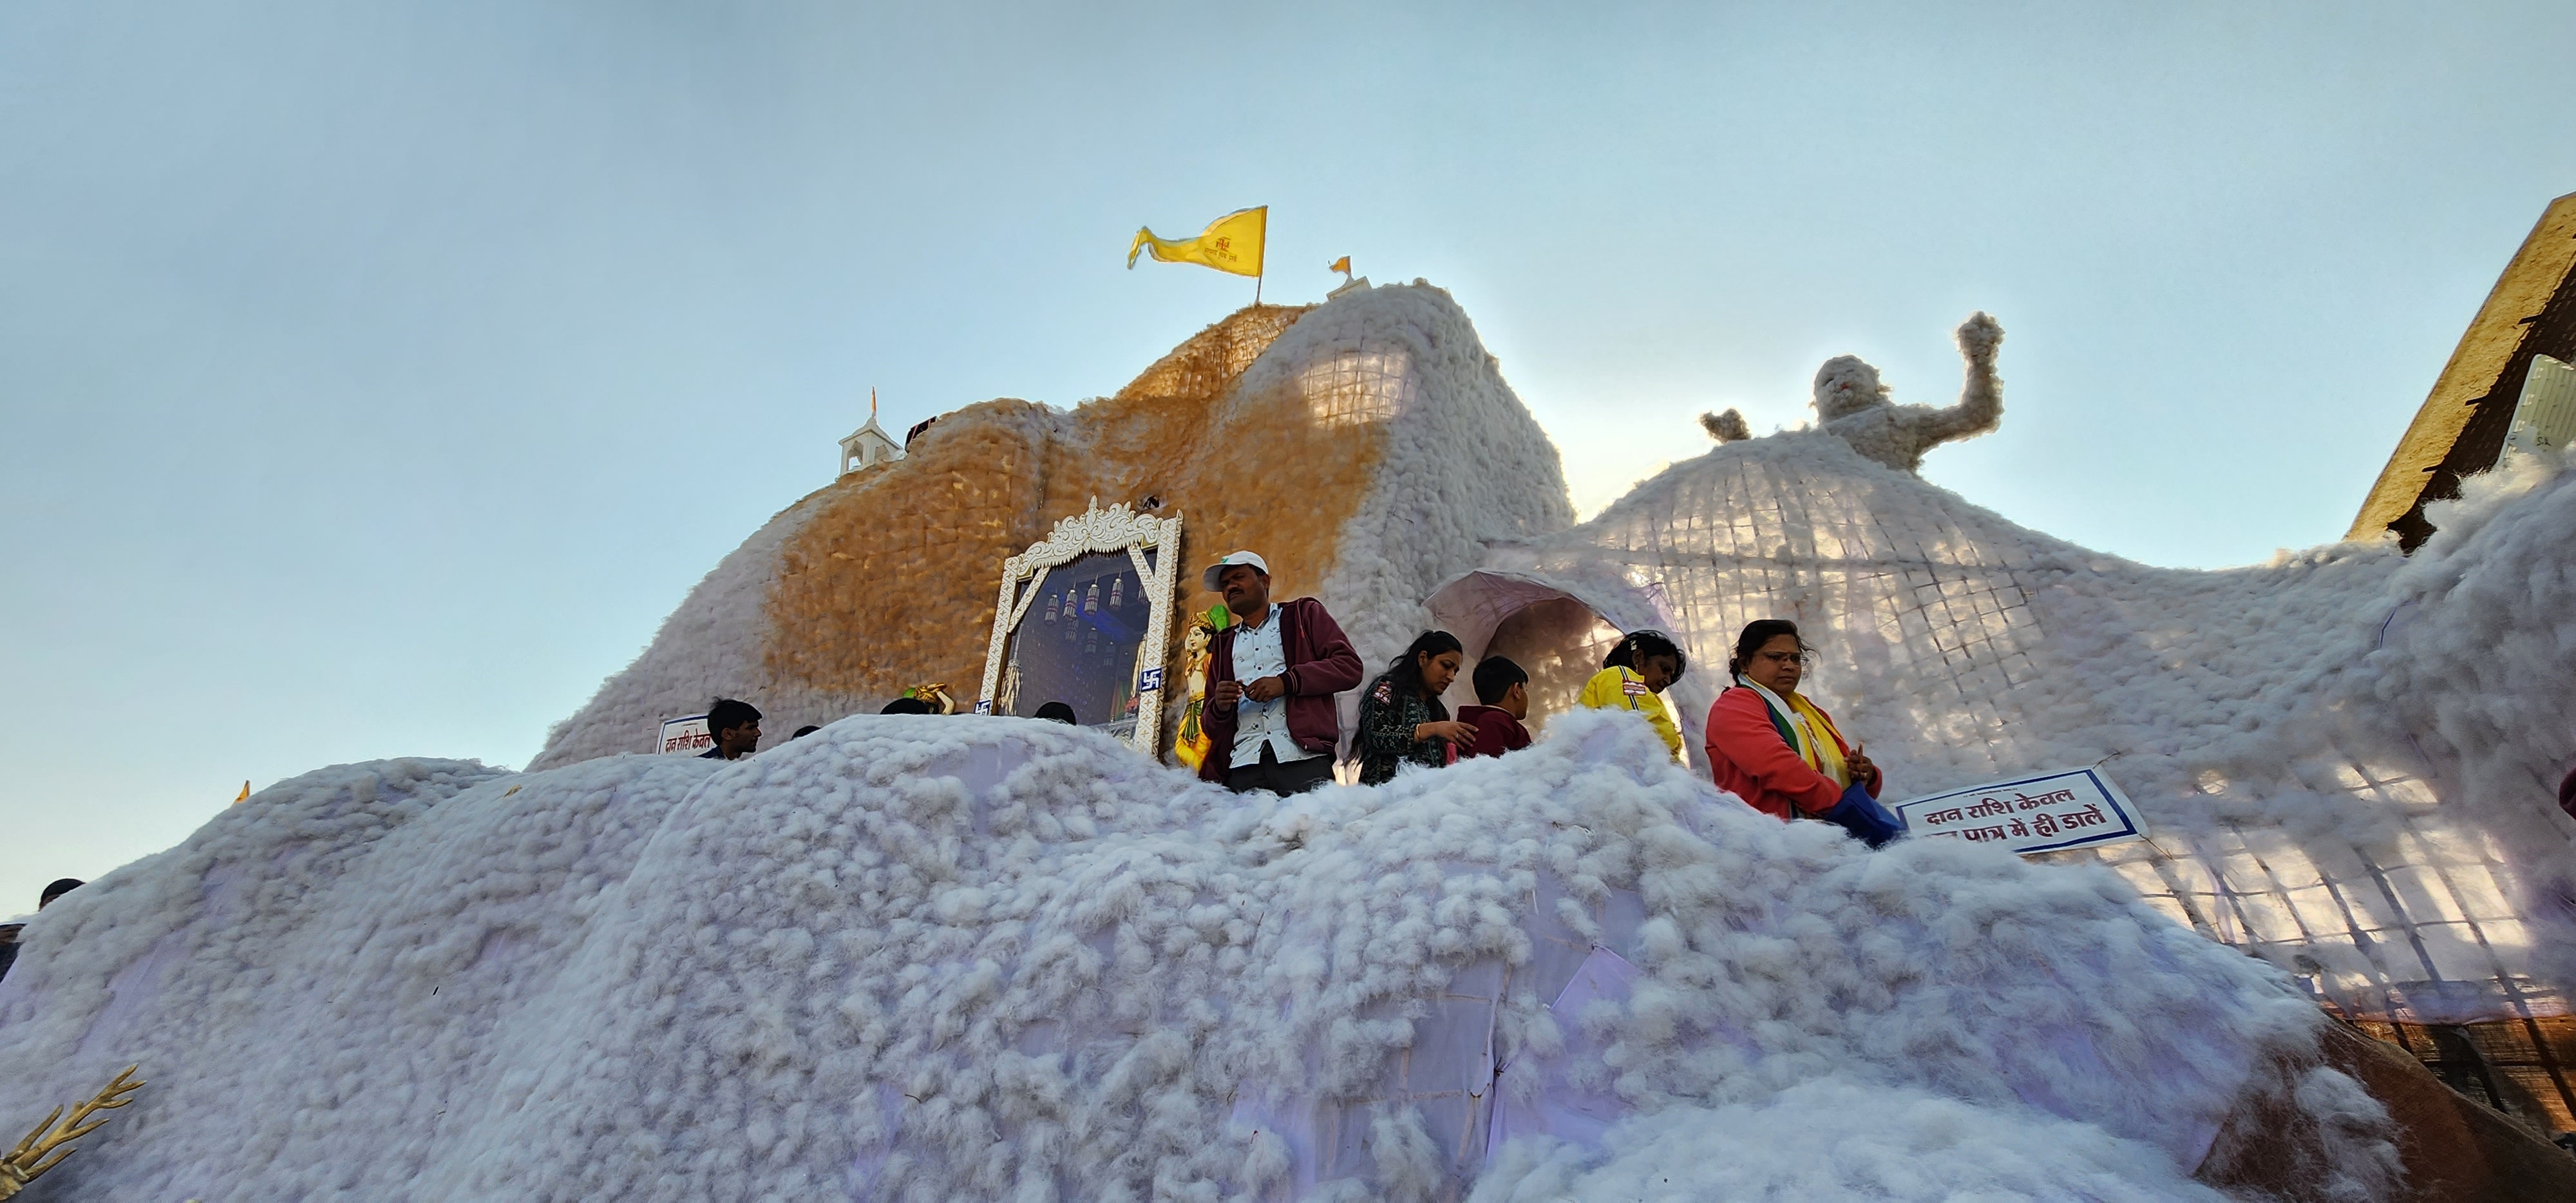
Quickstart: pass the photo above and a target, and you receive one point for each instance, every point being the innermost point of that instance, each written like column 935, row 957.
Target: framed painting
column 1082, row 621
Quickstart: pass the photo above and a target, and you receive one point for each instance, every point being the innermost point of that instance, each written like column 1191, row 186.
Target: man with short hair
column 735, row 727
column 1502, row 696
column 1272, row 673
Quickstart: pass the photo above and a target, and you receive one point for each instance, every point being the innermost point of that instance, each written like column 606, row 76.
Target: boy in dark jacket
column 1502, row 688
column 1276, row 727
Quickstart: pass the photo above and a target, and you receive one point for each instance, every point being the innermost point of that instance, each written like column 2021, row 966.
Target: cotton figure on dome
column 1852, row 404
column 1728, row 427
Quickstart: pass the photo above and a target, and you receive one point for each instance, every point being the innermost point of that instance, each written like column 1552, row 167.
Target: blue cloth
column 1861, row 815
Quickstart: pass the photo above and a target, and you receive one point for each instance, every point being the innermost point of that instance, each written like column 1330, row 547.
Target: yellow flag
column 245, row 794
column 1342, row 265
column 1231, row 243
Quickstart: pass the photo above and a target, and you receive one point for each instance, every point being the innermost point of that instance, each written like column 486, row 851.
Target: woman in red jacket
column 1775, row 749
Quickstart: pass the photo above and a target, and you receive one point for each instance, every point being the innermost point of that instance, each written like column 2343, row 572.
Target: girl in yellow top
column 1634, row 677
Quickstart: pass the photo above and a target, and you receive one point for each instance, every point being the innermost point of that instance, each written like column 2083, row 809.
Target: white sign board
column 689, row 735
column 2544, row 421
column 2077, row 808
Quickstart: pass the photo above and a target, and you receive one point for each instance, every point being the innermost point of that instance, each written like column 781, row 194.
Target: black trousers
column 1294, row 777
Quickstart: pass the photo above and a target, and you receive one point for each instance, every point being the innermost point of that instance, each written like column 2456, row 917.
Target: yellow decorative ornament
column 29, row 1160
column 936, row 694
column 1191, row 744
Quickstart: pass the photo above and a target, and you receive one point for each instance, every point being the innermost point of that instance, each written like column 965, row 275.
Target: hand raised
column 1225, row 693
column 1454, row 731
column 1978, row 338
column 1860, row 765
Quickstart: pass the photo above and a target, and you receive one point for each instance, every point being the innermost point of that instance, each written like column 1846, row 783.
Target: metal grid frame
column 2421, row 929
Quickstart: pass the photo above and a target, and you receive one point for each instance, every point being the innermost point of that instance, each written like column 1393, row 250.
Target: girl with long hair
column 1402, row 719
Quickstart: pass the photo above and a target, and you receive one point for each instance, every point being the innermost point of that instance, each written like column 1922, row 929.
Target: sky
column 374, row 378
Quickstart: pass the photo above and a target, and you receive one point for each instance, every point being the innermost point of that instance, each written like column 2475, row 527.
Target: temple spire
column 869, row 445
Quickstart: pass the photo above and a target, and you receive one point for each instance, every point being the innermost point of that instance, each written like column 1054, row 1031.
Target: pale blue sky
column 374, row 379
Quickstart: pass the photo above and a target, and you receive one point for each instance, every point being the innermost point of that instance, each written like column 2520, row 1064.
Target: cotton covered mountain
column 975, row 957
column 920, row 957
column 1368, row 447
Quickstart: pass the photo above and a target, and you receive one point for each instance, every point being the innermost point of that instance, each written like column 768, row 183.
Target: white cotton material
column 924, row 957
column 1836, row 1140
column 1852, row 405
column 2479, row 670
column 1463, row 464
column 2346, row 759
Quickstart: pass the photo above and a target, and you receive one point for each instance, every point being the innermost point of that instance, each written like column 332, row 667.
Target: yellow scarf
column 1818, row 742
column 1825, row 750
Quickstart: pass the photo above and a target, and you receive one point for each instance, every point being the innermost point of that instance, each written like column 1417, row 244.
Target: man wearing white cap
column 1272, row 674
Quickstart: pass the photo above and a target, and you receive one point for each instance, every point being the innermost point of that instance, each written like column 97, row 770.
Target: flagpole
column 1261, row 270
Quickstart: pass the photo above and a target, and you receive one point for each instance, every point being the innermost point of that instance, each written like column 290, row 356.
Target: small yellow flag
column 245, row 794
column 1342, row 265
column 1231, row 243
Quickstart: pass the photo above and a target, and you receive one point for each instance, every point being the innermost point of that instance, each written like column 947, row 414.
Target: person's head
column 1503, row 684
column 1058, row 712
column 735, row 726
column 1652, row 655
column 1847, row 385
column 906, row 706
column 1243, row 580
column 60, row 887
column 1770, row 654
column 1429, row 665
column 802, row 732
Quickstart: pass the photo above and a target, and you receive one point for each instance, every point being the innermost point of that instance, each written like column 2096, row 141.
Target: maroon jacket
column 1321, row 663
column 1497, row 731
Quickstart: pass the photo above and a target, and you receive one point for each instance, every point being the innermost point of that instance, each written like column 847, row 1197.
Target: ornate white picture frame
column 1097, row 531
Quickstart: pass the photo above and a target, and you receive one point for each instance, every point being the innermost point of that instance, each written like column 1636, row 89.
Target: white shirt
column 1258, row 654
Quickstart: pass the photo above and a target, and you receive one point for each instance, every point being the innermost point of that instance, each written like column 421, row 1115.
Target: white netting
column 2292, row 812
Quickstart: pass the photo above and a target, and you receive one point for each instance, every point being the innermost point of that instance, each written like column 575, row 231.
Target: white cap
column 1259, row 565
